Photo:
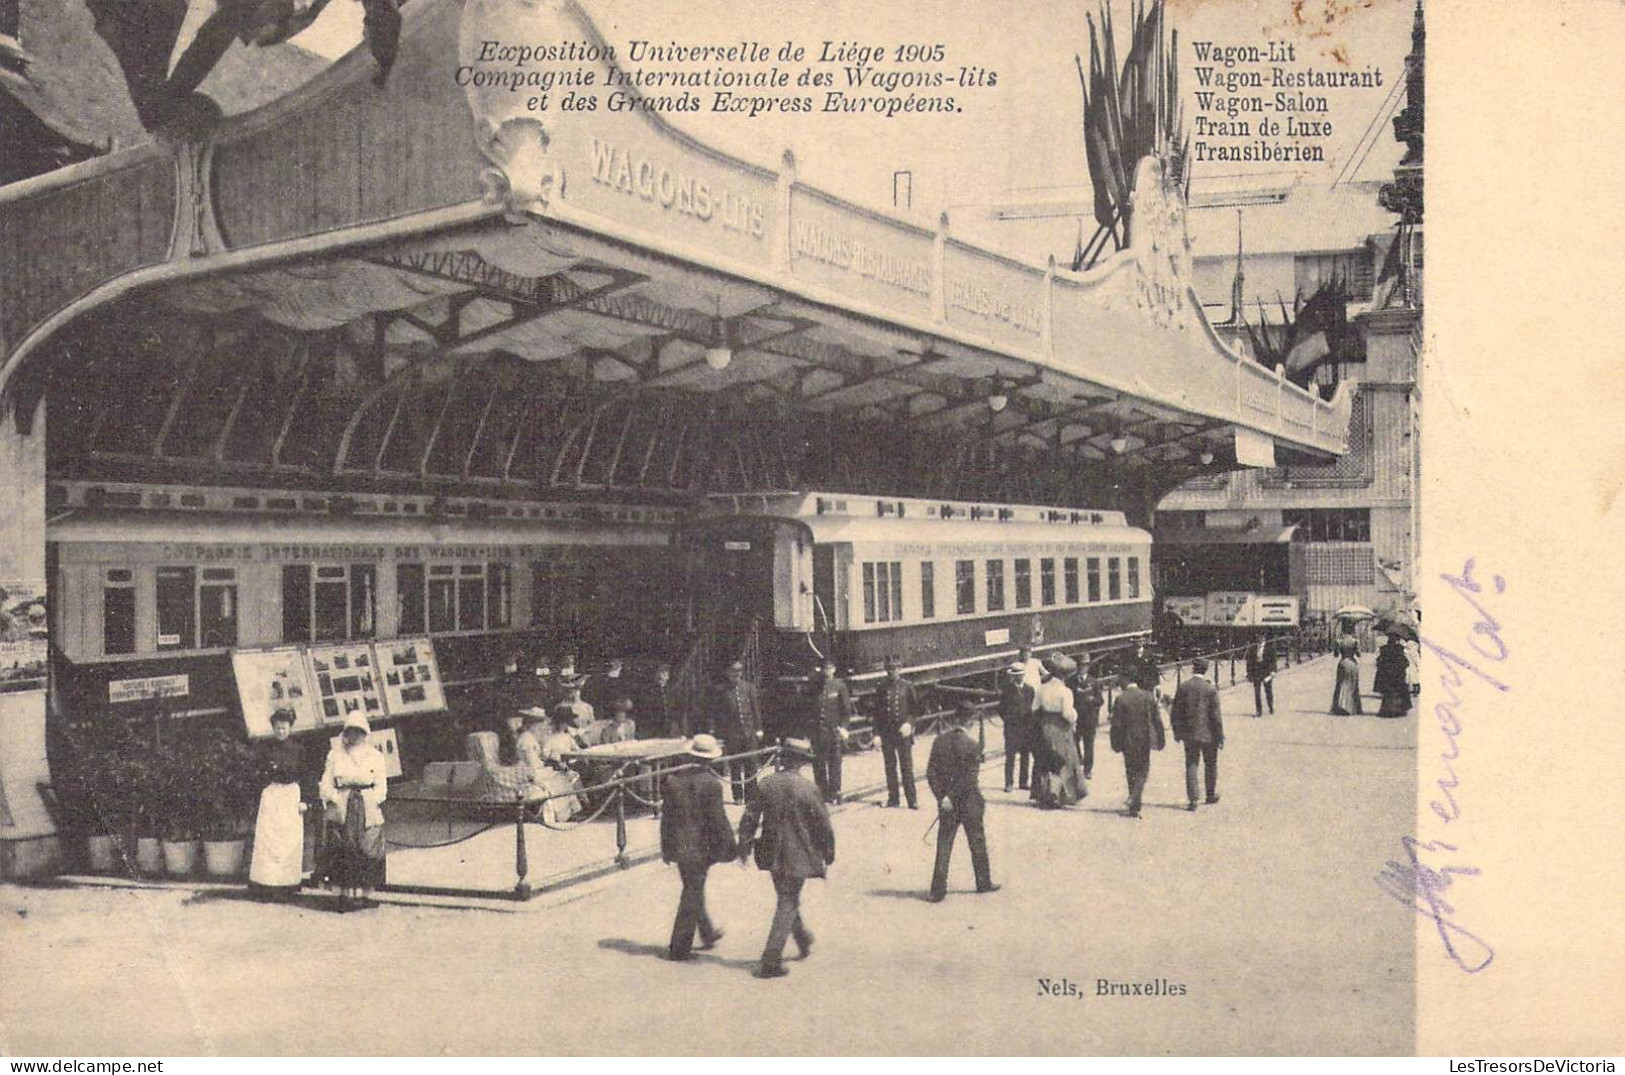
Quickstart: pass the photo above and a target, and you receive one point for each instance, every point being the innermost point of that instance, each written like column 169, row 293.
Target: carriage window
column 965, row 586
column 1094, row 578
column 1046, row 581
column 329, row 603
column 442, row 599
column 1071, row 565
column 995, row 585
column 499, row 595
column 118, row 611
column 410, row 589
column 1134, row 576
column 177, row 614
column 1024, row 583
column 1114, row 579
column 217, row 607
column 928, row 589
column 471, row 597
column 296, row 604
column 882, row 592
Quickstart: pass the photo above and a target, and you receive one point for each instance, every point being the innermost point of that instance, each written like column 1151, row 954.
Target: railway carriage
column 952, row 587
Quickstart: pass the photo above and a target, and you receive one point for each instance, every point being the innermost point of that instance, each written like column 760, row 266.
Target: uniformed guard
column 899, row 705
column 1016, row 713
column 735, row 717
column 831, row 713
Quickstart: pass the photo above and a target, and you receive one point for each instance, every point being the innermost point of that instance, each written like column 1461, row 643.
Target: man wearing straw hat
column 695, row 835
column 796, row 842
column 953, row 773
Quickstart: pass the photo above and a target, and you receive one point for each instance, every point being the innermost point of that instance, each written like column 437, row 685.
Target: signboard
column 24, row 634
column 272, row 679
column 144, row 690
column 411, row 677
column 1222, row 607
column 345, row 681
column 1192, row 611
column 1000, row 637
column 1261, row 611
column 387, row 741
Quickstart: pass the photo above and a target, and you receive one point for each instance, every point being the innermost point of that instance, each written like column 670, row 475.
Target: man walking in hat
column 1261, row 662
column 1136, row 731
column 1087, row 698
column 1016, row 713
column 953, row 773
column 831, row 713
column 735, row 718
column 899, row 705
column 695, row 835
column 796, row 842
column 1196, row 722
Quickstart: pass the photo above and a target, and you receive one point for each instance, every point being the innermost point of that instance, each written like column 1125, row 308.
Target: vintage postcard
column 576, row 527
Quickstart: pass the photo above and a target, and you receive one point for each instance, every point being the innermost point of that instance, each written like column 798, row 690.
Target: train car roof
column 179, row 527
column 862, row 531
column 814, row 504
column 1261, row 535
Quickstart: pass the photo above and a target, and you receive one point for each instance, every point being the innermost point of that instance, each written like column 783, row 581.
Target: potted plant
column 180, row 793
column 228, row 793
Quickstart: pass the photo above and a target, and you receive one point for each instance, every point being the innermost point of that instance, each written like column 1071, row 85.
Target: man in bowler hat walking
column 796, row 842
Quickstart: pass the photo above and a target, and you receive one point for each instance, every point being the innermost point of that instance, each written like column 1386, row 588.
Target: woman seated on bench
column 542, row 754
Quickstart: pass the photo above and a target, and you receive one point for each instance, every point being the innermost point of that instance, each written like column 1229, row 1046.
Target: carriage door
column 734, row 582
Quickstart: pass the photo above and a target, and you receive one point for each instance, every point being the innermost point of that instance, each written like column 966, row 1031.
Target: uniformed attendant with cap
column 832, row 711
column 735, row 717
column 1016, row 712
column 1087, row 698
column 953, row 773
column 899, row 705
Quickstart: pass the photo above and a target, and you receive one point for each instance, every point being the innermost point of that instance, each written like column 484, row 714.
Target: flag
column 1319, row 328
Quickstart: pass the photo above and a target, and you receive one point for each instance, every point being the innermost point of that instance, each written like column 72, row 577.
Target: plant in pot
column 138, row 774
column 182, row 794
column 100, row 799
column 228, row 793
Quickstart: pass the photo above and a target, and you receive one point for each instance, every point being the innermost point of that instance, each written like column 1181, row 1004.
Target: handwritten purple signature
column 1415, row 881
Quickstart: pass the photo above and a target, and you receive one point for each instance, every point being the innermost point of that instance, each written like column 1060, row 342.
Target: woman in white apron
column 279, row 830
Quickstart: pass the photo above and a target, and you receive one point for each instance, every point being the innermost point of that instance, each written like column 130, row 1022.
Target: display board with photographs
column 345, row 681
column 411, row 676
column 272, row 679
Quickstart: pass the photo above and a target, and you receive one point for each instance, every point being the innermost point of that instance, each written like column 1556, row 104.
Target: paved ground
column 1262, row 908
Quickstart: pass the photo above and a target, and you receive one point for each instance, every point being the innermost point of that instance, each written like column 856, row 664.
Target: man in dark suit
column 658, row 707
column 894, row 722
column 954, row 772
column 695, row 835
column 1261, row 661
column 1087, row 698
column 1016, row 714
column 831, row 713
column 1142, row 667
column 1136, row 731
column 735, row 717
column 796, row 842
column 1195, row 718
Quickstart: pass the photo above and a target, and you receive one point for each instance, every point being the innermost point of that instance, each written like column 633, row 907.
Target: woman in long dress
column 1057, row 772
column 1346, row 689
column 354, row 785
column 278, row 866
column 542, row 754
column 1391, row 679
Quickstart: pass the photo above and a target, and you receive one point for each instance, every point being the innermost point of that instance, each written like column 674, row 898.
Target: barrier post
column 620, row 827
column 521, row 861
column 1232, row 668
